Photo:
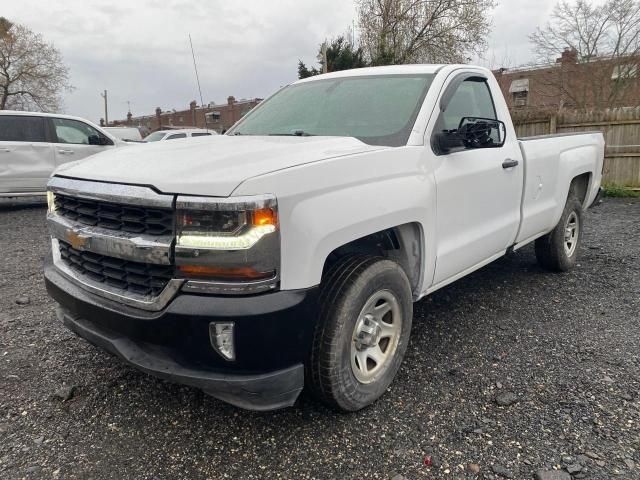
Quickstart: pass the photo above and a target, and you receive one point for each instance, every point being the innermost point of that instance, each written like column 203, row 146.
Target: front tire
column 558, row 250
column 362, row 334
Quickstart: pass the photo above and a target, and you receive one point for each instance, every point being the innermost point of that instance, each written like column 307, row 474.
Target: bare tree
column 32, row 73
column 603, row 43
column 414, row 31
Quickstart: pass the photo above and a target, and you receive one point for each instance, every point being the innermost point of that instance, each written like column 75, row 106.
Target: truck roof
column 384, row 70
column 391, row 70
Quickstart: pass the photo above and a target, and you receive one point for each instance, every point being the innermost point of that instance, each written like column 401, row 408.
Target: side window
column 176, row 135
column 75, row 132
column 18, row 128
column 203, row 134
column 471, row 99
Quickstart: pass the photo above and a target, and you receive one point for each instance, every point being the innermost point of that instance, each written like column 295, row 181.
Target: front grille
column 134, row 277
column 126, row 218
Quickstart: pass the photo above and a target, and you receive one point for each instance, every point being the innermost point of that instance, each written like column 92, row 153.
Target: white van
column 33, row 144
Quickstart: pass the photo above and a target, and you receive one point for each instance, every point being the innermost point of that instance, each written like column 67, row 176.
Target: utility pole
column 106, row 111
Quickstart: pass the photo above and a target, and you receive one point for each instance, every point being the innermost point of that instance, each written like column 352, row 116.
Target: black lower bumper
column 272, row 338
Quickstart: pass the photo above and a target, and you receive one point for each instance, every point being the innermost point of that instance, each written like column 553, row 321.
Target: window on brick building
column 520, row 99
column 213, row 117
column 519, row 90
column 625, row 71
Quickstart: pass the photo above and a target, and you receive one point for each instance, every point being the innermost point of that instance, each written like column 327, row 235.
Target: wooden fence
column 621, row 128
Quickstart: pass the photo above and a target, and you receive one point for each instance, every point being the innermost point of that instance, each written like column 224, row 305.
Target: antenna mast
column 195, row 67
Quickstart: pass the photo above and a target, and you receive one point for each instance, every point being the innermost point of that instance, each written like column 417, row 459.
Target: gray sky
column 139, row 49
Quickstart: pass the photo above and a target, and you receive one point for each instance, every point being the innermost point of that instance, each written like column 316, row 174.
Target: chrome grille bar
column 110, row 192
column 128, row 246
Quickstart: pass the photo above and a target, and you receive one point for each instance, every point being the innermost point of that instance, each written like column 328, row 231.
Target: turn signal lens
column 233, row 274
column 264, row 216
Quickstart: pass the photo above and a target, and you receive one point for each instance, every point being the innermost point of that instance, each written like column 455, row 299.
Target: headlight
column 225, row 230
column 231, row 240
column 51, row 202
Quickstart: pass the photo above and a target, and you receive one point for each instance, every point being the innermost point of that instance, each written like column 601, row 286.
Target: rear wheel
column 558, row 250
column 362, row 333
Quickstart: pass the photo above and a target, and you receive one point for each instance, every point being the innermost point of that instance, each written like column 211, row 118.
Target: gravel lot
column 509, row 371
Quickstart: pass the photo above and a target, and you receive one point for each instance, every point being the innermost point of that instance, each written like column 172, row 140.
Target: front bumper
column 272, row 339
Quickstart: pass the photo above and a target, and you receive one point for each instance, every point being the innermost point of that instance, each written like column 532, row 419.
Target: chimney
column 231, row 100
column 129, row 116
column 158, row 117
column 569, row 56
column 192, row 108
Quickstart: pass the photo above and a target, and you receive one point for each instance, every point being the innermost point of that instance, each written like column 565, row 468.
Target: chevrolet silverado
column 288, row 252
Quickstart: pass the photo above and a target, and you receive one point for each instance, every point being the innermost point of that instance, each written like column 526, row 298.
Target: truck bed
column 555, row 135
column 550, row 163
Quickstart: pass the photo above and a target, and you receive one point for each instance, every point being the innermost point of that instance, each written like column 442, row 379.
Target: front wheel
column 362, row 333
column 558, row 250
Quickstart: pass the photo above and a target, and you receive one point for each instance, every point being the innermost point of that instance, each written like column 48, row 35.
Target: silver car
column 33, row 145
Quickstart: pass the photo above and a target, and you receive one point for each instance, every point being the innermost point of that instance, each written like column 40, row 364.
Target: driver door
column 478, row 201
column 75, row 140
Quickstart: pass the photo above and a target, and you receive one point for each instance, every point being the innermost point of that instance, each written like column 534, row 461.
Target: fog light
column 221, row 336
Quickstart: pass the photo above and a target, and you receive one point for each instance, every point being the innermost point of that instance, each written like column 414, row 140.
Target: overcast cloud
column 139, row 50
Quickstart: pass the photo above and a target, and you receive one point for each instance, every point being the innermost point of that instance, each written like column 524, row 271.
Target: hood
column 213, row 165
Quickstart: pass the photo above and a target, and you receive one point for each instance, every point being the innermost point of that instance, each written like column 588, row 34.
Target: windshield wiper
column 295, row 133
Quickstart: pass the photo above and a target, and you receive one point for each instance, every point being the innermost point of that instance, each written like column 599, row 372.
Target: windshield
column 155, row 136
column 378, row 110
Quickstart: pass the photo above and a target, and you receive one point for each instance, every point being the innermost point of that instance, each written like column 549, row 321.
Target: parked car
column 289, row 252
column 128, row 134
column 33, row 145
column 181, row 133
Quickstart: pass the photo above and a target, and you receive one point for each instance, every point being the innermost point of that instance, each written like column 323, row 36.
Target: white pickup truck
column 289, row 252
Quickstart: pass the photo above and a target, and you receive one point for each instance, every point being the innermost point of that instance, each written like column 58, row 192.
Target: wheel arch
column 580, row 187
column 403, row 244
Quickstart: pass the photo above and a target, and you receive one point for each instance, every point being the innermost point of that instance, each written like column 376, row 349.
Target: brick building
column 216, row 117
column 571, row 83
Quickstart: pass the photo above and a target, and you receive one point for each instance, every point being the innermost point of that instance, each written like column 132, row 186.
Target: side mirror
column 98, row 140
column 448, row 140
column 480, row 132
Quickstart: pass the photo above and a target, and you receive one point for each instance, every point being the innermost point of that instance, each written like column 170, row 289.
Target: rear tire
column 362, row 332
column 558, row 250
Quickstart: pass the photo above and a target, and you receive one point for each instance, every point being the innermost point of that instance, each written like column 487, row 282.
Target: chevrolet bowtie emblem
column 76, row 239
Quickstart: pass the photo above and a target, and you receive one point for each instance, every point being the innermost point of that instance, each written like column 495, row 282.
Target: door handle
column 66, row 152
column 509, row 163
column 7, row 150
